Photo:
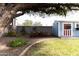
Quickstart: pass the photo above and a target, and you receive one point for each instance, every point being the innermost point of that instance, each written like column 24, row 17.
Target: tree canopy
column 49, row 8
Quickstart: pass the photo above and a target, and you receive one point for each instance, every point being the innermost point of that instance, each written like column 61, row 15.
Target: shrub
column 11, row 33
column 18, row 42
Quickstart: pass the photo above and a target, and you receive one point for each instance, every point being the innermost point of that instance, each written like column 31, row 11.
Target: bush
column 11, row 33
column 18, row 42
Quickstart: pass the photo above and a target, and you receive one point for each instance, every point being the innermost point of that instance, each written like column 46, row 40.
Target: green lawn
column 55, row 47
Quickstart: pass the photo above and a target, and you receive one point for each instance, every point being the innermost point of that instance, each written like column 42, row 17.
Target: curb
column 27, row 48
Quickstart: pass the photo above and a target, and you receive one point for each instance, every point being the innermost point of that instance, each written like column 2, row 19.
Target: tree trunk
column 6, row 18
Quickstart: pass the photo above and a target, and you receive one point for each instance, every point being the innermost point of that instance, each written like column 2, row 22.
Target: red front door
column 67, row 30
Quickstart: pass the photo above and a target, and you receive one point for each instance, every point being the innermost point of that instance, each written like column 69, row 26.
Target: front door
column 67, row 30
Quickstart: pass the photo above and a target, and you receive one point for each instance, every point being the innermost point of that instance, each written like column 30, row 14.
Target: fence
column 47, row 30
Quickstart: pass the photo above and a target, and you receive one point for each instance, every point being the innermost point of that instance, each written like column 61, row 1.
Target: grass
column 56, row 47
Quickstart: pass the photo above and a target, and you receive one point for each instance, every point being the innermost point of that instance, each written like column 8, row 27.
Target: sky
column 48, row 20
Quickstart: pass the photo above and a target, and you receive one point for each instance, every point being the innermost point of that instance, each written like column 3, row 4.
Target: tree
column 8, row 11
column 37, row 24
column 27, row 23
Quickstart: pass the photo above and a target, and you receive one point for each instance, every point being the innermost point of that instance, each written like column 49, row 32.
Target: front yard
column 55, row 47
column 49, row 46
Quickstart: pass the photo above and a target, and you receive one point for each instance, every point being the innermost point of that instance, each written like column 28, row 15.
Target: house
column 66, row 28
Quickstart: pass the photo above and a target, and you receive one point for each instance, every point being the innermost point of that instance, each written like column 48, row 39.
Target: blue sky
column 48, row 20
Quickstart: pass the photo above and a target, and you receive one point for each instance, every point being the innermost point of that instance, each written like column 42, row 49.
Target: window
column 77, row 26
column 67, row 26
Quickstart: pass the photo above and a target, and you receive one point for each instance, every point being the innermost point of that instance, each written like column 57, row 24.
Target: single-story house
column 66, row 28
